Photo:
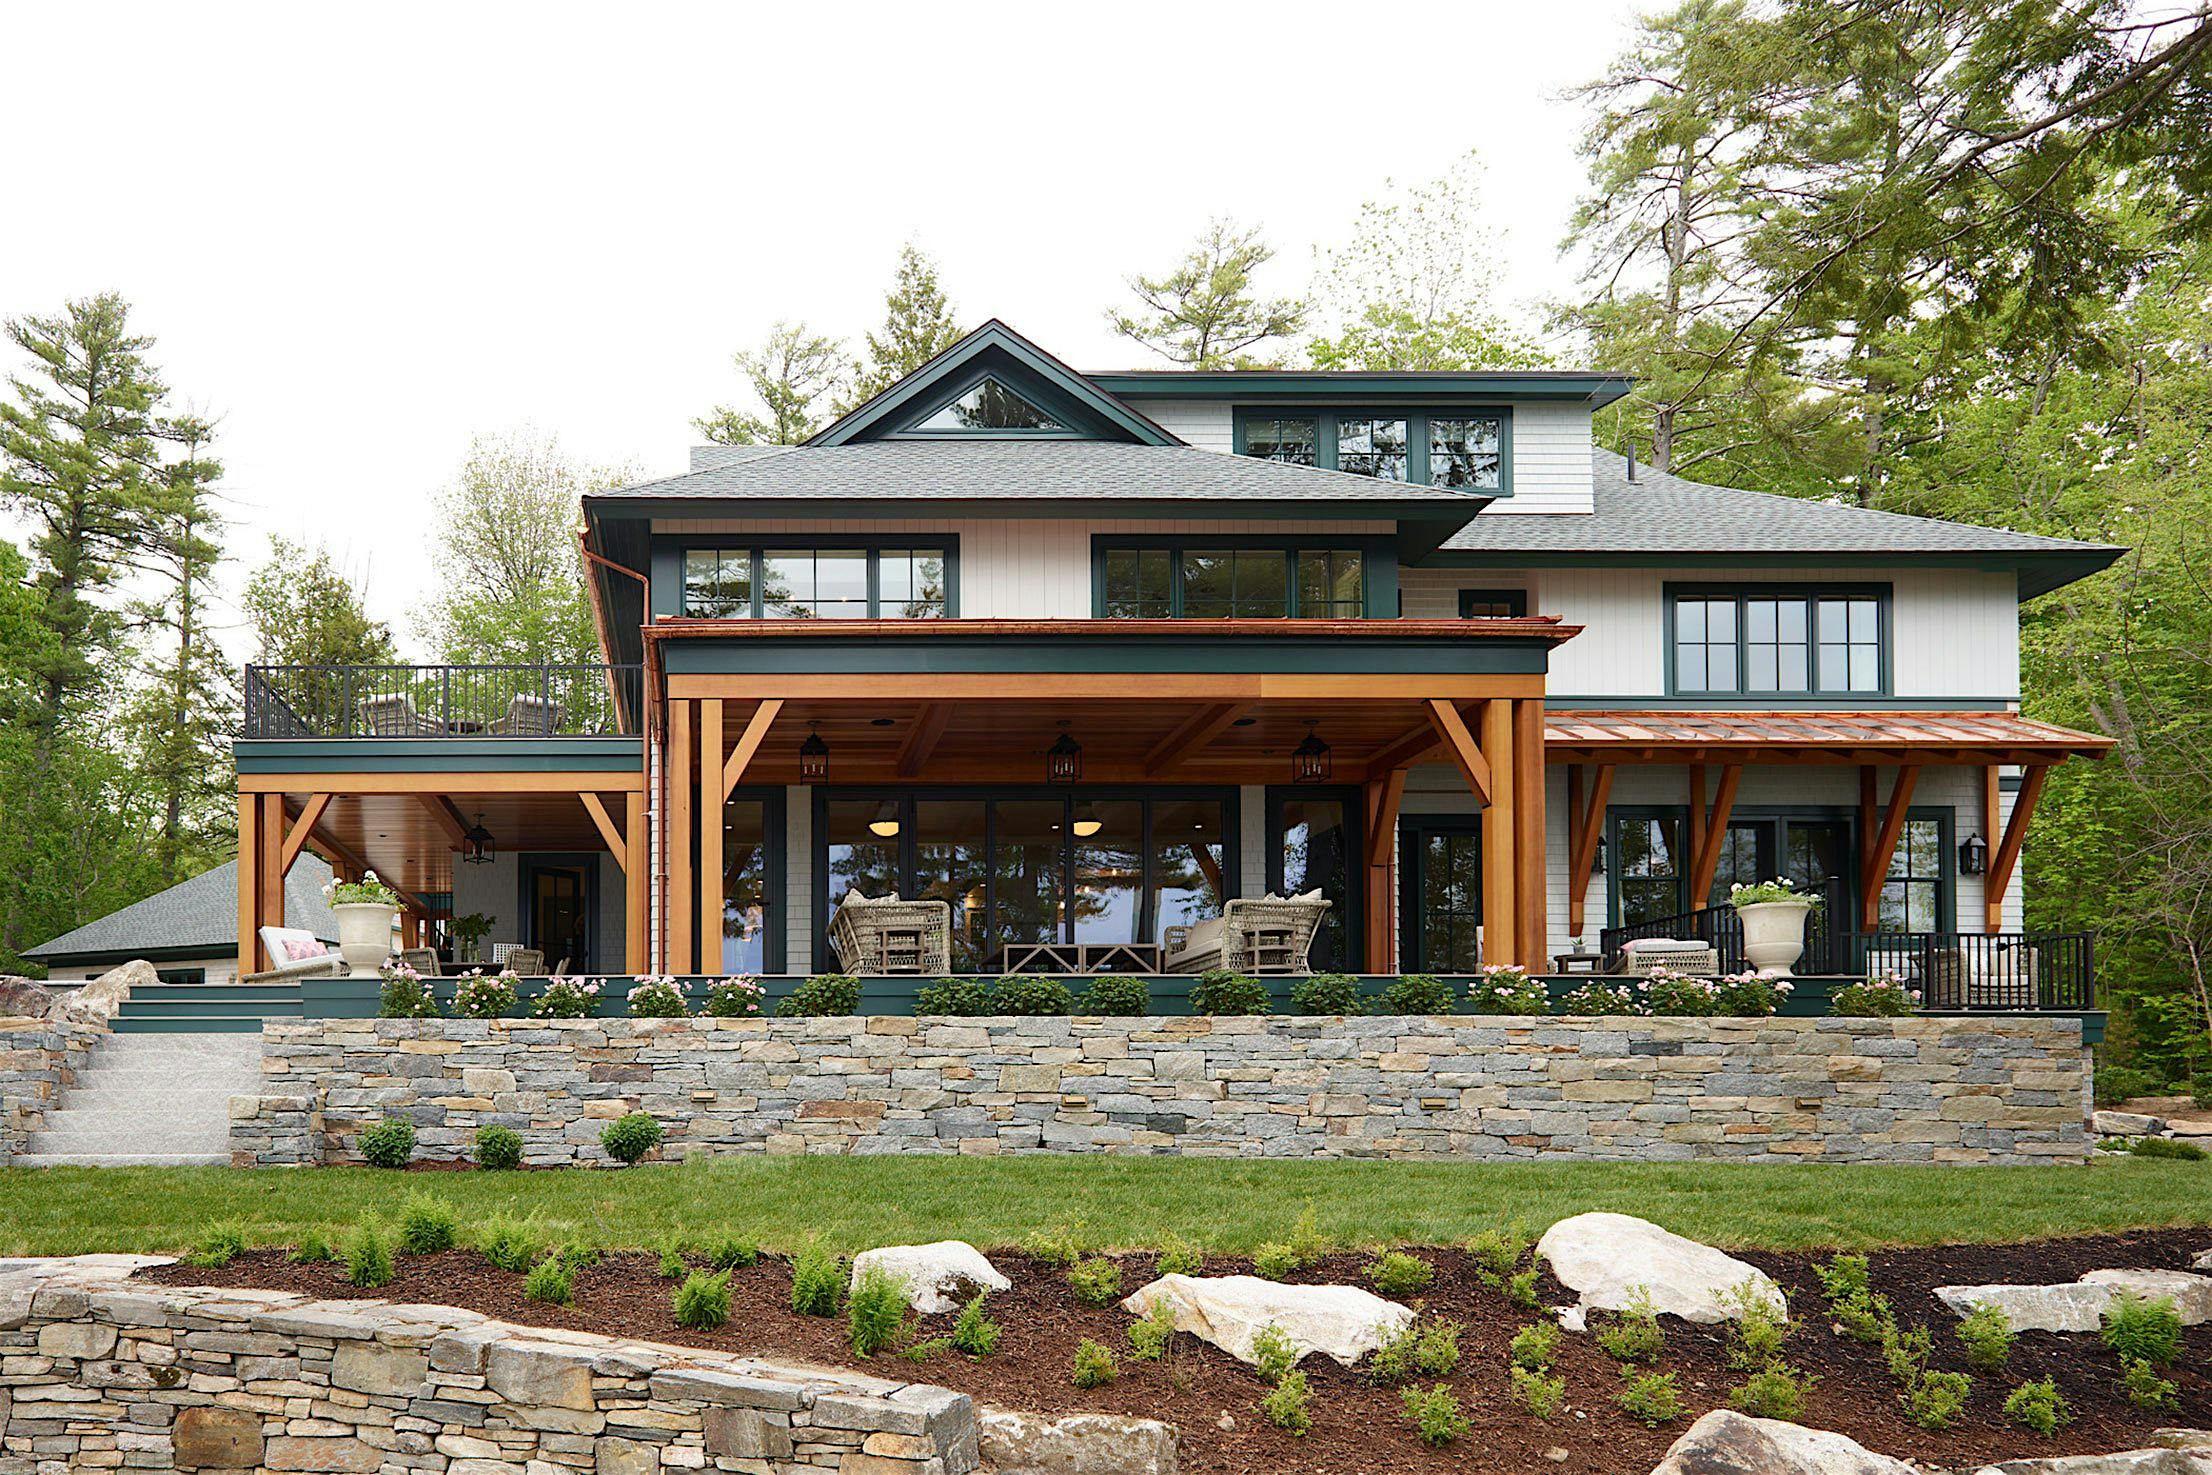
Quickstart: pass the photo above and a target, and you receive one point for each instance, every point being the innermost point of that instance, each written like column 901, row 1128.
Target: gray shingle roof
column 1658, row 513
column 196, row 915
column 1024, row 470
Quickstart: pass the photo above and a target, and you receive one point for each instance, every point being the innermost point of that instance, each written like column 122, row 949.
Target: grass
column 848, row 1204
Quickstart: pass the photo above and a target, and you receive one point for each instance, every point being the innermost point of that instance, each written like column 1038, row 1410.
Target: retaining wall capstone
column 39, row 1059
column 101, row 1373
column 2009, row 1089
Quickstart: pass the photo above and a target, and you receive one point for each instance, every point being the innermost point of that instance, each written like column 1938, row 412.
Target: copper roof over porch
column 1732, row 736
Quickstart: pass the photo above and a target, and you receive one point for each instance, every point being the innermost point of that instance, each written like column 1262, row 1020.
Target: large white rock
column 2203, row 1261
column 98, row 1000
column 938, row 1277
column 1073, row 1444
column 2126, row 1124
column 1728, row 1443
column 1607, row 1258
column 2126, row 1462
column 1341, row 1322
column 2080, row 1305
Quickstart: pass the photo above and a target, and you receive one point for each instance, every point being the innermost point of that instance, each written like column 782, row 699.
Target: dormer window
column 987, row 406
column 1463, row 450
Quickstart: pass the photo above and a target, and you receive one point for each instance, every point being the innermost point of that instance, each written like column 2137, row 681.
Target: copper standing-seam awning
column 1812, row 737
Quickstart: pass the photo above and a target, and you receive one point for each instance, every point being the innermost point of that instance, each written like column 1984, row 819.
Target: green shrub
column 1746, row 995
column 733, row 1254
column 564, row 997
column 369, row 1255
column 1599, row 999
column 1326, row 993
column 1542, row 1394
column 1416, row 993
column 1276, row 1261
column 737, row 997
column 629, row 1138
column 1152, row 1334
column 1534, row 1346
column 1987, row 1336
column 1273, row 1353
column 498, row 1148
column 702, row 1302
column 822, row 995
column 1668, row 992
column 578, row 1256
column 1905, row 1352
column 973, row 1332
column 1218, row 991
column 1651, row 1398
column 217, row 1246
column 1880, row 997
column 1094, row 1365
column 2167, row 1147
column 673, row 1266
column 2039, row 1406
column 2144, row 1330
column 1392, row 1363
column 965, row 998
column 1286, row 1405
column 658, row 998
column 1436, row 1350
column 405, row 995
column 551, row 1280
column 1435, row 1413
column 312, row 1249
column 388, row 1144
column 1306, row 1240
column 1504, row 988
column 478, row 995
column 1096, row 1282
column 426, row 1225
column 1937, row 1399
column 1060, row 1247
column 1180, row 1256
column 1861, row 1318
column 1117, row 996
column 1634, row 1334
column 1757, row 1331
column 1496, row 1252
column 1773, row 1392
column 1027, row 994
column 1843, row 1277
column 875, row 1311
column 817, row 1282
column 1520, row 1289
column 1420, row 1349
column 1396, row 1273
column 509, row 1243
column 2145, row 1388
column 2115, row 1085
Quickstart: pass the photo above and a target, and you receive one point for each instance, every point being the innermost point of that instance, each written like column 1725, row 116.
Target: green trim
column 188, row 953
column 1559, row 702
column 1883, row 595
column 1075, row 421
column 1106, row 652
column 439, row 755
column 1320, row 387
column 2039, row 570
column 1018, row 360
column 1328, row 422
column 1515, row 601
column 1413, row 829
column 669, row 549
column 1378, row 564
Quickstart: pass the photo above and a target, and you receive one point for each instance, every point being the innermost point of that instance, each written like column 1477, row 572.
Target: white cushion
column 1665, row 945
column 292, row 945
column 1313, row 895
column 1204, row 938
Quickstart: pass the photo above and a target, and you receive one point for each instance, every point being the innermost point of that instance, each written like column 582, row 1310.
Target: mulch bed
column 1361, row 1428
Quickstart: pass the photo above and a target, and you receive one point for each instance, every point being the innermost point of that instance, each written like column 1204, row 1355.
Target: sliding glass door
column 1313, row 845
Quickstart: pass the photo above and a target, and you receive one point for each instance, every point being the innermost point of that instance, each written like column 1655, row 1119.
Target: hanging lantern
column 1064, row 759
column 1310, row 762
column 813, row 757
column 478, row 842
column 1973, row 856
column 885, row 825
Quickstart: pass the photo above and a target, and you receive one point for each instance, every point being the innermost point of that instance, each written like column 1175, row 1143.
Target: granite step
column 149, row 1100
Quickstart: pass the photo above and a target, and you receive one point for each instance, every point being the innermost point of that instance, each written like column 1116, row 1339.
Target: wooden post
column 711, row 791
column 683, row 939
column 1586, row 827
column 1500, row 898
column 1712, row 832
column 1383, row 798
column 269, row 841
column 249, row 884
column 1531, row 926
column 2007, row 854
column 636, row 945
column 1993, row 895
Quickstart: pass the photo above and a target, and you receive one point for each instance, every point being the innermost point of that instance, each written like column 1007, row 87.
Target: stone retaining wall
column 39, row 1058
column 100, row 1373
column 2001, row 1089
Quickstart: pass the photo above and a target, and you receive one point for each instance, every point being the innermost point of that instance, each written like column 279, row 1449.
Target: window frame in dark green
column 1414, row 830
column 1074, row 424
column 1355, row 825
column 1378, row 568
column 1882, row 596
column 1516, row 601
column 775, row 867
column 1416, row 418
column 678, row 551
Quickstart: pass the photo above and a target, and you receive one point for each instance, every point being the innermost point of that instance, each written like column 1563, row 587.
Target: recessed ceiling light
column 879, row 722
column 1244, row 722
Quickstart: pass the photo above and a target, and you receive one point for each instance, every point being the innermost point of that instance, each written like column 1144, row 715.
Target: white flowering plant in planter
column 1881, row 996
column 566, row 998
column 1506, row 988
column 368, row 891
column 1760, row 893
column 735, row 997
column 478, row 995
column 1666, row 991
column 658, row 996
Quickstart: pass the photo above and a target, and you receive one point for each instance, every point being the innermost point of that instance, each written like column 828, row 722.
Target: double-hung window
column 825, row 583
column 1465, row 450
column 1778, row 642
column 1201, row 582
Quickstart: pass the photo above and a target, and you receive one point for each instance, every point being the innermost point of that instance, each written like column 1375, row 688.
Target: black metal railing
column 442, row 701
column 1827, row 948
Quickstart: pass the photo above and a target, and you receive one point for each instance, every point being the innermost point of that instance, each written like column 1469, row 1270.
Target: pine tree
column 1203, row 313
column 789, row 373
column 918, row 325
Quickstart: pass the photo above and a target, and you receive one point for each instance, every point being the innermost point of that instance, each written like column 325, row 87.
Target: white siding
column 219, row 970
column 1207, row 424
column 1551, row 461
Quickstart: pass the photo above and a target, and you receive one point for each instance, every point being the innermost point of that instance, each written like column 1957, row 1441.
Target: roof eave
column 1321, row 387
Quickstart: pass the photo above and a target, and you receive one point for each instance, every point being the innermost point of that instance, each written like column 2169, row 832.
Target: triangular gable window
column 990, row 405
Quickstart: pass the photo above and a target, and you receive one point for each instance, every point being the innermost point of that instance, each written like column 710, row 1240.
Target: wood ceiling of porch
column 413, row 840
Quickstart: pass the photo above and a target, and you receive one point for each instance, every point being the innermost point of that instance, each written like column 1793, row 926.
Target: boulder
column 938, row 1277
column 2126, row 1124
column 24, row 998
column 1074, row 1444
column 2203, row 1261
column 2080, row 1306
column 1342, row 1322
column 2191, row 1294
column 1728, row 1443
column 2193, row 1127
column 1607, row 1258
column 98, row 1000
column 2125, row 1462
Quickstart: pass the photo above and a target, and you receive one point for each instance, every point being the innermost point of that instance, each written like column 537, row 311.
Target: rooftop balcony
column 442, row 701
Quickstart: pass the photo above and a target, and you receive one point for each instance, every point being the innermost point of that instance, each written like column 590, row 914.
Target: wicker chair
column 1642, row 954
column 424, row 960
column 1265, row 934
column 526, row 962
column 886, row 935
column 527, row 717
column 395, row 716
column 1999, row 978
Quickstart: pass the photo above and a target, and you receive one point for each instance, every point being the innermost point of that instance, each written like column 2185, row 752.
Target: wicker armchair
column 1640, row 955
column 525, row 962
column 886, row 935
column 1995, row 978
column 424, row 960
column 527, row 717
column 1266, row 934
column 395, row 716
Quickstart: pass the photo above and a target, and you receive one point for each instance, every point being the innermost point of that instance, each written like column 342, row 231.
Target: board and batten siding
column 1956, row 632
column 1021, row 568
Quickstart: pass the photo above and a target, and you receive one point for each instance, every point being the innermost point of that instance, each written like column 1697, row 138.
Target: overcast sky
column 361, row 234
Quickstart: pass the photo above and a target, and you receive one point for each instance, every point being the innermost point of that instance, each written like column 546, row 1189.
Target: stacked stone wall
column 1994, row 1089
column 39, row 1059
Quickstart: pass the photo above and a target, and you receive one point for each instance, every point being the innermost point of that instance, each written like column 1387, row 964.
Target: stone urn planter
column 365, row 933
column 1774, row 934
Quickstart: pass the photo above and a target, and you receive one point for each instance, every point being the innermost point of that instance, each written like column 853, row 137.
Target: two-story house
column 1086, row 655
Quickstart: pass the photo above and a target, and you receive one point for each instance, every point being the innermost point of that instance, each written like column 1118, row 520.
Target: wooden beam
column 748, row 741
column 1705, row 857
column 249, row 885
column 715, row 782
column 683, row 941
column 1383, row 796
column 1884, row 847
column 1408, row 747
column 449, row 819
column 1588, row 829
column 1531, row 925
column 1993, row 897
column 878, row 687
column 1697, row 820
column 636, row 877
column 1460, row 744
column 2007, row 854
column 269, row 874
column 594, row 807
column 304, row 826
column 1500, row 871
column 923, row 737
column 566, row 781
column 1192, row 734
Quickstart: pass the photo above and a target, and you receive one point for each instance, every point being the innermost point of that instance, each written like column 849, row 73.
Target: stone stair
column 150, row 1100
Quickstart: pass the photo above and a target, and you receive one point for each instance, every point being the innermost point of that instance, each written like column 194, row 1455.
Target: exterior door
column 558, row 907
column 1440, row 895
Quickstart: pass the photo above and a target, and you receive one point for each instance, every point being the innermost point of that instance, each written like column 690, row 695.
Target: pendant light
column 1310, row 762
column 1064, row 759
column 1087, row 823
column 813, row 756
column 479, row 843
column 885, row 825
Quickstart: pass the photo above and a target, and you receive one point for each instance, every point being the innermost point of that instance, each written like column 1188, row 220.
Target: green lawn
column 852, row 1203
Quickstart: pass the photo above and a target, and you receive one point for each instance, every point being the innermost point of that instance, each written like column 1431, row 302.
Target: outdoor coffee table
column 1075, row 957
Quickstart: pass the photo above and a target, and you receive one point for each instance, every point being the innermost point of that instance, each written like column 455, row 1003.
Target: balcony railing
column 442, row 701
